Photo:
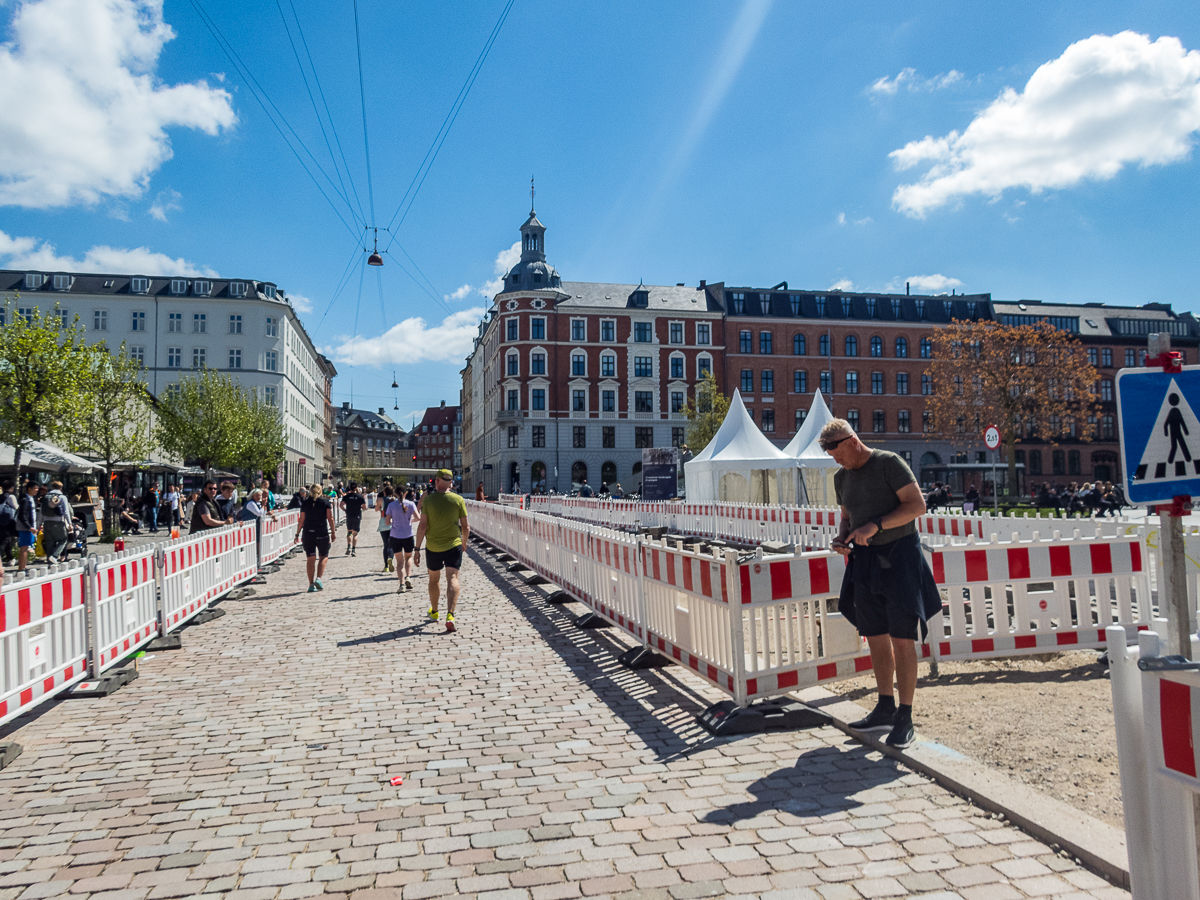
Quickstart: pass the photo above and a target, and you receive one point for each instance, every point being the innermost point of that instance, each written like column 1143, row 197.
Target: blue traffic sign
column 1160, row 433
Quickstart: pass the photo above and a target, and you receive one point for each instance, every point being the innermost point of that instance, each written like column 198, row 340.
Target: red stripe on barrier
column 939, row 569
column 751, row 687
column 712, row 673
column 781, row 580
column 818, row 575
column 1018, row 562
column 976, row 565
column 983, row 645
column 687, row 574
column 1101, row 559
column 1135, row 555
column 862, row 663
column 706, row 580
column 1025, row 641
column 827, row 671
column 1067, row 637
column 789, row 679
column 744, row 571
column 23, row 613
column 1060, row 561
column 1175, row 716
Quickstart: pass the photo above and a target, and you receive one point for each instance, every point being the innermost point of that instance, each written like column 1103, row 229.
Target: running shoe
column 320, row 587
column 408, row 584
column 881, row 718
column 354, row 552
column 433, row 614
column 312, row 588
column 391, row 566
column 450, row 622
column 902, row 733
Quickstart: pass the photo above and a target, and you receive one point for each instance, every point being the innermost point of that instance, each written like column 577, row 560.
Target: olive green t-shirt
column 444, row 511
column 870, row 491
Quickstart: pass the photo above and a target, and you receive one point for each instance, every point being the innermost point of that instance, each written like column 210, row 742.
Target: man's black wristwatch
column 878, row 523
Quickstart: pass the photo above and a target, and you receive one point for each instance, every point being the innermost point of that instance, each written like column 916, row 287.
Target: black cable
column 357, row 306
column 382, row 308
column 362, row 94
column 342, row 282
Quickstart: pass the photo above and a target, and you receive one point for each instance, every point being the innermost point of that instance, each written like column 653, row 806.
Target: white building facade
column 243, row 328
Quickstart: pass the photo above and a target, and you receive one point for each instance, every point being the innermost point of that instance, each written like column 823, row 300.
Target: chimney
column 381, row 412
column 906, row 290
column 703, row 284
column 346, row 404
column 443, row 404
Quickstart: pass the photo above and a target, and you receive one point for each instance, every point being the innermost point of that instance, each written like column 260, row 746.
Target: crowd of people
column 1097, row 498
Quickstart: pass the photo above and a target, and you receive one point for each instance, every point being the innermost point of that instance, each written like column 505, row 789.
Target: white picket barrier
column 122, row 604
column 43, row 638
column 278, row 535
column 517, row 500
column 195, row 571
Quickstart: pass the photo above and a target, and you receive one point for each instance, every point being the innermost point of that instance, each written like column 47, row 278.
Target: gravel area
column 1046, row 720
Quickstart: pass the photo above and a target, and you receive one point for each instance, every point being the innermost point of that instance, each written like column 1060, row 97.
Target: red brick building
column 437, row 439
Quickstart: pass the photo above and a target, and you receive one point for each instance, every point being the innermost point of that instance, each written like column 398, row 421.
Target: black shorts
column 878, row 615
column 314, row 544
column 447, row 559
column 401, row 545
column 354, row 524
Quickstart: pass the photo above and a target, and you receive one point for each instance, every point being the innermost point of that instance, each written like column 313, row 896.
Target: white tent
column 816, row 466
column 740, row 464
column 44, row 457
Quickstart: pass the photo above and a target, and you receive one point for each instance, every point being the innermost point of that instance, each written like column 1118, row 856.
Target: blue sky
column 1030, row 150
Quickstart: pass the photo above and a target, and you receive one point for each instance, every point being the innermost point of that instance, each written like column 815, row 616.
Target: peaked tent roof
column 739, row 440
column 805, row 446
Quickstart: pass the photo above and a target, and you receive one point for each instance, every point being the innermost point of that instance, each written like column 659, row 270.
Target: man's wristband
column 878, row 522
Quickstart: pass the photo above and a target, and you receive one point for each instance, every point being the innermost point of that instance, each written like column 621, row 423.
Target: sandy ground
column 1045, row 720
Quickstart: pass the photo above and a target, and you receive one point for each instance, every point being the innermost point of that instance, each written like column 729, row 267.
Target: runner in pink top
column 401, row 513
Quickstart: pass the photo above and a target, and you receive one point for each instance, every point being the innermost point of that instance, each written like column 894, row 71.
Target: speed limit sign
column 991, row 437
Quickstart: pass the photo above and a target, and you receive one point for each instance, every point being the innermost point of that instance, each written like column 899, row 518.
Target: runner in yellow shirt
column 444, row 525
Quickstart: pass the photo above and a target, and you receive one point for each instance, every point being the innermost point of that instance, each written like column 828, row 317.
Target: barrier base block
column 591, row 620
column 532, row 578
column 206, row 615
column 643, row 658
column 165, row 642
column 515, row 567
column 108, row 683
column 9, row 752
column 727, row 717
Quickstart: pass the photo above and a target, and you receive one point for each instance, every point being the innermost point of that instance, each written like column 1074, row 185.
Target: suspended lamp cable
column 362, row 95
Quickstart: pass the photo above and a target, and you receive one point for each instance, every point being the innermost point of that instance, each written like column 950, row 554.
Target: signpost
column 991, row 440
column 659, row 469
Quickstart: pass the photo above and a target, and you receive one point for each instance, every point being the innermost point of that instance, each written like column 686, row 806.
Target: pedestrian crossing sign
column 1160, row 433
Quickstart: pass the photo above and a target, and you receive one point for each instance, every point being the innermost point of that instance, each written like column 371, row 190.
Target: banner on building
column 660, row 469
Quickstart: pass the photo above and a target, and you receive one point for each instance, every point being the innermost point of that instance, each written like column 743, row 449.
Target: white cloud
column 300, row 303
column 32, row 253
column 166, row 201
column 842, row 220
column 842, row 284
column 1108, row 101
column 413, row 341
column 459, row 294
column 932, row 284
column 84, row 115
column 505, row 260
column 911, row 81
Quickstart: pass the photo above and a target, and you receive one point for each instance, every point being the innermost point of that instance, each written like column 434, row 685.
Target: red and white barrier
column 278, row 535
column 195, row 571
column 123, row 605
column 43, row 638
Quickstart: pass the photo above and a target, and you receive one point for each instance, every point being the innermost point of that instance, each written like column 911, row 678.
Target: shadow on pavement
column 426, row 627
column 823, row 780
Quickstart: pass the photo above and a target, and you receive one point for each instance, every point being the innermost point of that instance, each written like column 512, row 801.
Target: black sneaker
column 880, row 719
column 902, row 734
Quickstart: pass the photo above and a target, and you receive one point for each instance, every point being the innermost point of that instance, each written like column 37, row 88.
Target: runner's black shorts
column 354, row 524
column 447, row 559
column 314, row 544
column 402, row 545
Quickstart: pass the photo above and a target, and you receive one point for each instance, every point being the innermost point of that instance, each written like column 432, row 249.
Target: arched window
column 578, row 364
column 851, row 345
column 578, row 473
column 537, row 479
column 823, row 345
column 926, row 348
column 608, row 473
column 514, row 364
column 901, row 348
column 877, row 346
column 799, row 345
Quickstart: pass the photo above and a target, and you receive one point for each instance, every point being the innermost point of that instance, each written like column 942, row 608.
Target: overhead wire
column 362, row 95
column 342, row 282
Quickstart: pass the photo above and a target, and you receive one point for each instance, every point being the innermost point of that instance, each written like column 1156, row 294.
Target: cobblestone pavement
column 255, row 763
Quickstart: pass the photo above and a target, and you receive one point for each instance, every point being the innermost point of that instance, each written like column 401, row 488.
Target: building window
column 903, row 422
column 820, row 306
column 1093, row 357
column 876, row 382
column 579, row 437
column 902, row 383
column 676, row 333
column 878, row 421
column 871, row 304
column 926, row 348
column 1106, row 357
column 272, row 326
column 643, row 437
column 514, row 364
column 579, row 401
column 270, row 396
column 767, row 380
column 235, row 324
column 1073, row 467
column 643, row 366
column 26, row 313
column 579, row 329
column 927, row 425
column 272, row 361
column 608, row 437
column 801, row 415
column 677, row 401
column 539, row 399
column 643, row 401
column 63, row 282
column 235, row 359
column 1130, row 358
column 1107, row 428
column 851, row 382
column 738, row 300
column 852, row 418
column 578, row 364
column 174, row 391
column 823, row 345
column 513, row 326
column 537, row 364
column 537, row 329
column 747, row 381
column 608, row 401
column 703, row 366
column 199, row 323
column 800, row 382
column 1035, row 462
column 1058, row 462
column 768, row 420
column 201, row 288
column 175, row 322
column 139, row 322
column 174, row 357
column 199, row 358
column 100, row 320
column 799, row 345
column 608, row 330
column 766, row 342
column 677, row 367
column 794, row 299
column 514, row 437
column 514, row 399
column 608, row 366
column 901, row 348
column 538, row 435
column 237, row 289
column 33, row 282
column 745, row 342
column 139, row 354
column 1106, row 390
column 642, row 332
column 851, row 345
column 703, row 333
column 926, row 384
column 139, row 285
column 826, row 383
column 877, row 346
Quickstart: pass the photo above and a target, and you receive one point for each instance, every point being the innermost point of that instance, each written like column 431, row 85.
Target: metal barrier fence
column 759, row 626
column 58, row 624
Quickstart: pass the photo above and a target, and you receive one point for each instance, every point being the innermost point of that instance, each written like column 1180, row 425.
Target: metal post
column 995, row 486
column 89, row 594
column 733, row 583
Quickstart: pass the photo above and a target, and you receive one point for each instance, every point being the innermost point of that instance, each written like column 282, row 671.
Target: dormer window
column 847, row 309
column 737, row 300
column 795, row 299
column 237, row 289
column 972, row 309
column 515, row 278
column 63, row 282
column 920, row 309
column 871, row 307
column 33, row 281
column 640, row 298
column 268, row 291
column 820, row 306
column 896, row 313
column 139, row 285
column 949, row 305
column 178, row 285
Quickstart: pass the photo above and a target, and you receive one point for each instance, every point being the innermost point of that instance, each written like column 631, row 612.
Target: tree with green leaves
column 706, row 411
column 204, row 417
column 40, row 375
column 263, row 445
column 110, row 419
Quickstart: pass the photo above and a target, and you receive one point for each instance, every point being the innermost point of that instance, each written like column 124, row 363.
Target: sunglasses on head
column 830, row 445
